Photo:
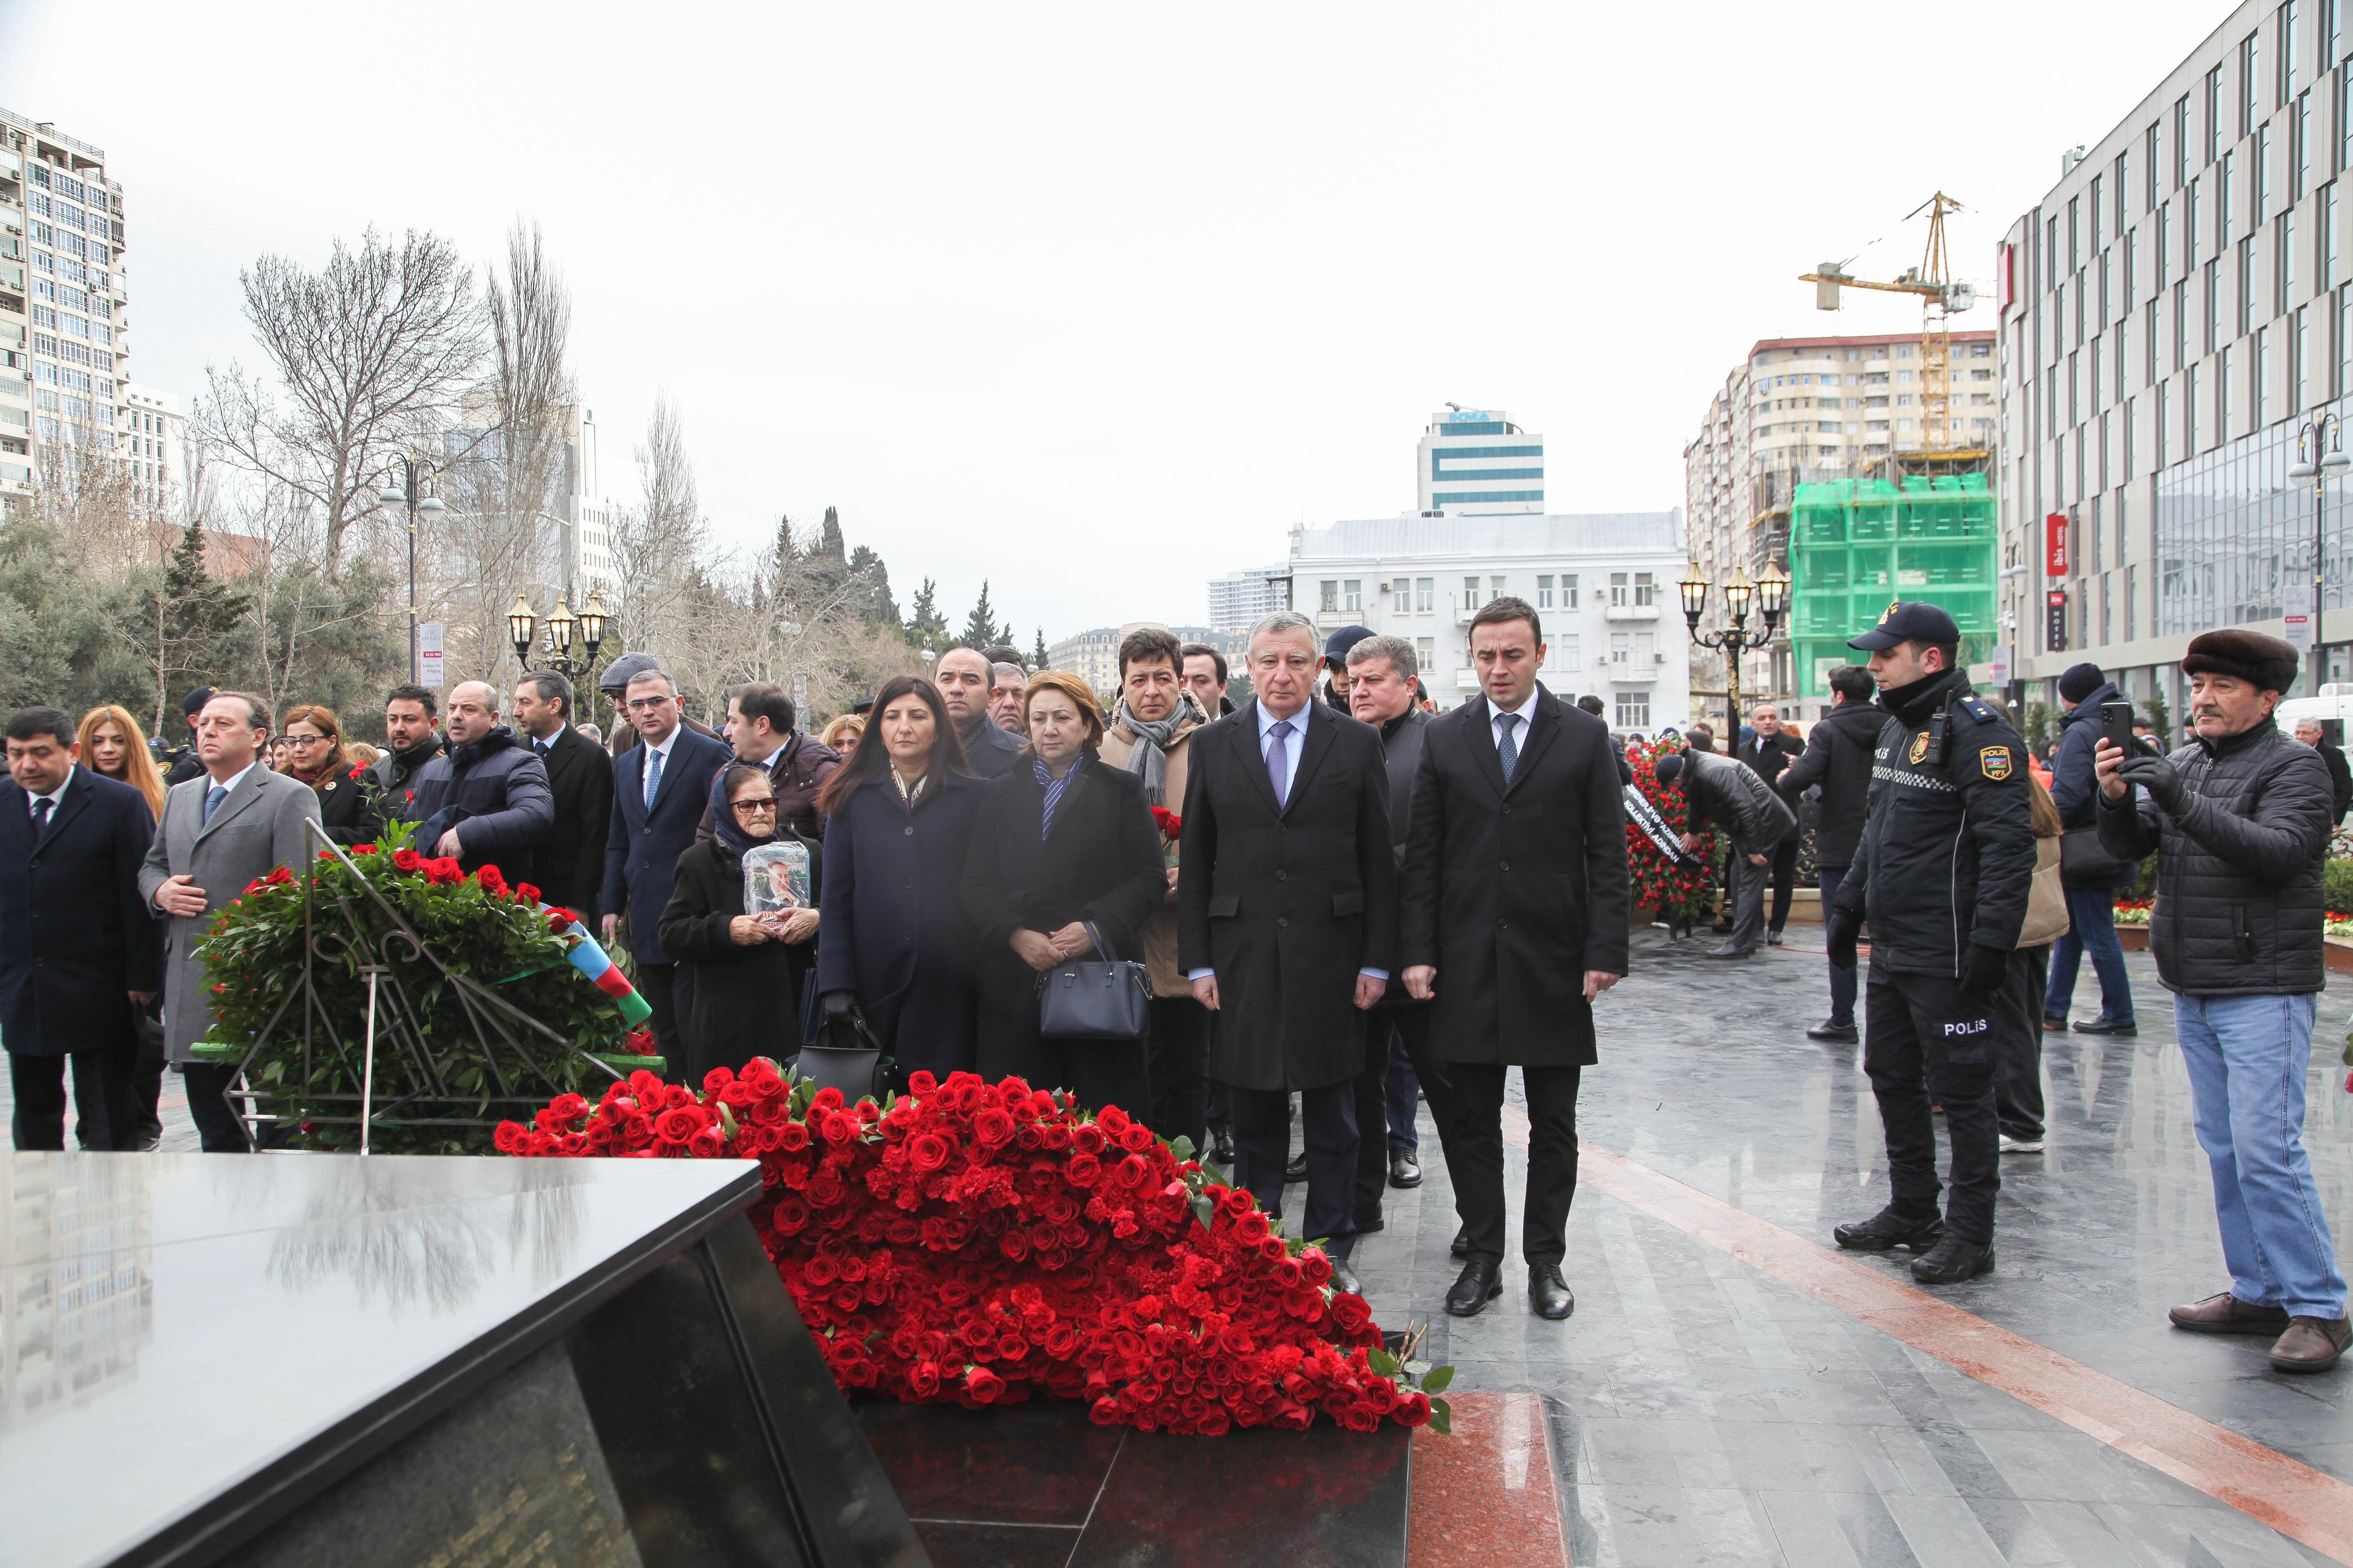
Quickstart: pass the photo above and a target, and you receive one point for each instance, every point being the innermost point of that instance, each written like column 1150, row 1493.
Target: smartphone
column 2115, row 726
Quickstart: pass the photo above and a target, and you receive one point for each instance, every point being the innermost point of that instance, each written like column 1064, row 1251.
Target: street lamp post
column 404, row 482
column 563, row 628
column 1771, row 595
column 2319, row 458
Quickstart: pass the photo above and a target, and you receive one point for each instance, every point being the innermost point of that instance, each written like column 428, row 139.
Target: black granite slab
column 1040, row 1483
column 303, row 1359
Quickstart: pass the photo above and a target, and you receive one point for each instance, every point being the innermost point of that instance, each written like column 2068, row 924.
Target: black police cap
column 1908, row 620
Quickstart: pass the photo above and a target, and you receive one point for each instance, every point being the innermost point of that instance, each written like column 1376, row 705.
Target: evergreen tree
column 826, row 564
column 926, row 626
column 981, row 628
column 196, row 616
column 1037, row 653
column 874, row 604
column 774, row 585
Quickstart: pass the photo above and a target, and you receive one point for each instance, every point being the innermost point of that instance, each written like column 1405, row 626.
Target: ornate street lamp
column 520, row 624
column 562, row 632
column 2320, row 459
column 403, row 495
column 1770, row 596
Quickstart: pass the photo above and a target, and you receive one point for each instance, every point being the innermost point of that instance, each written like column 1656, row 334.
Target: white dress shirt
column 1519, row 730
column 56, row 797
column 646, row 768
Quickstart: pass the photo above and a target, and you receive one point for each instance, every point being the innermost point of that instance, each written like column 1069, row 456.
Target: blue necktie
column 1507, row 750
column 213, row 797
column 653, row 780
column 1277, row 763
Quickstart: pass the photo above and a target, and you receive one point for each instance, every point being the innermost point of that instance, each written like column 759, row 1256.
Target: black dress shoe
column 1477, row 1285
column 1830, row 1030
column 1728, row 951
column 1461, row 1246
column 1888, row 1229
column 2054, row 1025
column 1953, row 1260
column 2104, row 1025
column 1221, row 1148
column 1403, row 1171
column 1345, row 1278
column 1549, row 1292
column 1368, row 1224
column 1297, row 1170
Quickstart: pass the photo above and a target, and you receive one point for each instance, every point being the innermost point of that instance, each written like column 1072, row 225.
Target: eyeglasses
column 753, row 807
column 306, row 739
column 646, row 704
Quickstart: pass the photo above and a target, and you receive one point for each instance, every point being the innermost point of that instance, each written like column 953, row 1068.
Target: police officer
column 1942, row 873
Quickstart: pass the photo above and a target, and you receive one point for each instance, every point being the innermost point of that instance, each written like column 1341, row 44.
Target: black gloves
column 1984, row 969
column 2159, row 777
column 837, row 1005
column 1839, row 933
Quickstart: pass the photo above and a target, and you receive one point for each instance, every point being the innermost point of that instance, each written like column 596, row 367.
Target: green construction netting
column 1855, row 544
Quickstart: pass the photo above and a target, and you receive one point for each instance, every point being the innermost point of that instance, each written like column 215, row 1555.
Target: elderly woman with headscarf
column 735, row 988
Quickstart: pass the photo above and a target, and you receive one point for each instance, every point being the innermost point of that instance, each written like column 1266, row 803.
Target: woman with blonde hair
column 842, row 733
column 315, row 756
column 114, row 747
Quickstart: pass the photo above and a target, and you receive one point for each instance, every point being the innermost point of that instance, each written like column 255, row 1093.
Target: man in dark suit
column 2340, row 777
column 1286, row 922
column 1767, row 750
column 963, row 676
column 570, row 865
column 659, row 785
column 1514, row 917
column 78, row 953
column 233, row 822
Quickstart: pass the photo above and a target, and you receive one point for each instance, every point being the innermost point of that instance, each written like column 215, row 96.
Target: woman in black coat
column 736, row 989
column 894, row 941
column 1062, row 841
column 315, row 756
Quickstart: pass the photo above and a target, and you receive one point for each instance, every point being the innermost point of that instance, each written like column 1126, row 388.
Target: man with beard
column 963, row 676
column 411, row 742
column 1151, row 736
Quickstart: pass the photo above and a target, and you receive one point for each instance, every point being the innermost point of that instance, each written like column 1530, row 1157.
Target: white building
column 1239, row 598
column 1093, row 657
column 63, row 344
column 155, row 446
column 1475, row 461
column 1603, row 584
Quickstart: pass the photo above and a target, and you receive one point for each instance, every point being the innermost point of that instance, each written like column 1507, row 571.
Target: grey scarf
column 1149, row 759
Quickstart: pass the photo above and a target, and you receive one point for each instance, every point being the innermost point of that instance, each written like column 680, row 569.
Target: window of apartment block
column 2189, row 412
column 1471, row 600
column 2074, row 234
column 1633, row 709
column 2213, row 305
column 1622, row 649
column 2098, row 184
column 2283, row 243
column 1497, row 587
column 1401, row 598
column 2213, row 117
column 2301, row 155
column 1422, row 588
column 2263, row 188
column 2122, row 338
column 2332, row 31
column 1425, row 653
column 1569, row 591
column 2250, row 77
column 1646, row 588
column 2291, row 48
column 2116, row 522
column 1572, row 651
column 2132, row 596
column 2323, row 274
column 1352, row 595
column 2222, row 390
column 2299, row 354
column 1328, row 596
column 2091, row 535
column 2162, row 409
column 2128, row 440
column 1543, row 590
column 1618, row 589
column 2103, row 608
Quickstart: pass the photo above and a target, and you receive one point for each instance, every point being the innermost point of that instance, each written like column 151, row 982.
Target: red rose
column 991, row 1127
column 1349, row 1313
column 792, row 1137
column 927, row 1152
column 526, row 892
column 406, row 859
column 562, row 920
column 982, row 1384
column 493, row 879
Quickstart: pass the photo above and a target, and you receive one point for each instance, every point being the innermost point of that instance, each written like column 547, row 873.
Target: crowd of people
column 1343, row 903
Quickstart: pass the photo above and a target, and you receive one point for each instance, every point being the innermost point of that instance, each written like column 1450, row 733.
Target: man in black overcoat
column 570, row 865
column 1286, row 921
column 78, row 951
column 1514, row 917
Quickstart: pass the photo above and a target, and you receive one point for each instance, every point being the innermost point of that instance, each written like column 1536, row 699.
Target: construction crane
column 1941, row 297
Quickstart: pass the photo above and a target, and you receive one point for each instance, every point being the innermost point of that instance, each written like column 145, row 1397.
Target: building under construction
column 1856, row 544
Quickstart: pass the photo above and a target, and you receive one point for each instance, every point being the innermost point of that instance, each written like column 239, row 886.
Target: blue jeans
column 2247, row 1057
column 1405, row 1091
column 2091, row 928
column 1842, row 980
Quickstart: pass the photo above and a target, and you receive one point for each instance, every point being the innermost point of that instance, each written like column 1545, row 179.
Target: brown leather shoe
column 2311, row 1344
column 2225, row 1314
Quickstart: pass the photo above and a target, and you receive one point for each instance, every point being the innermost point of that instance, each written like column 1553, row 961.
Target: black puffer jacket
column 495, row 794
column 1837, row 757
column 2238, row 873
column 1732, row 796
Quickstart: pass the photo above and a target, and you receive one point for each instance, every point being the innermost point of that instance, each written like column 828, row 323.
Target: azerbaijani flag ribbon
column 593, row 960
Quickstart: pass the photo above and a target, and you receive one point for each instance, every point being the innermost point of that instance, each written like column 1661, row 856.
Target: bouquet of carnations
column 974, row 1243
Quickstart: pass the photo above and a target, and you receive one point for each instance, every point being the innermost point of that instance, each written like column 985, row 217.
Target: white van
column 2333, row 707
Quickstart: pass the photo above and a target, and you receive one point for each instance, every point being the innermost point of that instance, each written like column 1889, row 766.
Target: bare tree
column 367, row 354
column 659, row 543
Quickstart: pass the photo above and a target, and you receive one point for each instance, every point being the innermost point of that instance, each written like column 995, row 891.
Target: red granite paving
column 1488, row 1493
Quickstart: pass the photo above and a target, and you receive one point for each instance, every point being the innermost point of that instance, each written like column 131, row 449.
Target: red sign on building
column 2055, row 545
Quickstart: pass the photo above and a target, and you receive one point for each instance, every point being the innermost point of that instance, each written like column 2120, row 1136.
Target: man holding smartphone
column 2090, row 873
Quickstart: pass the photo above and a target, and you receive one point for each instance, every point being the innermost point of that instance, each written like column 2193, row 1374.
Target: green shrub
column 2336, row 885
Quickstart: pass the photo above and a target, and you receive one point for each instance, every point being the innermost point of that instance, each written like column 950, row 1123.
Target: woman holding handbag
column 1065, row 862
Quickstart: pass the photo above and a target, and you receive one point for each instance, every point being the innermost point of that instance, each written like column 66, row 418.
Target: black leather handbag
column 1101, row 998
column 845, row 1054
column 2086, row 862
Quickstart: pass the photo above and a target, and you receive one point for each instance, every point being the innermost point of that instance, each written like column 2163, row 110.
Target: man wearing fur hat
column 2240, row 820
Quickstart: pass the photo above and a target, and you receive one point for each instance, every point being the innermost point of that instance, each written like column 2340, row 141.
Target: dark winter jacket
column 1734, row 796
column 1838, row 758
column 1401, row 739
column 735, row 1002
column 2340, row 777
column 800, row 771
column 1948, row 851
column 494, row 792
column 2239, row 903
column 347, row 806
column 392, row 775
column 2072, row 785
column 989, row 750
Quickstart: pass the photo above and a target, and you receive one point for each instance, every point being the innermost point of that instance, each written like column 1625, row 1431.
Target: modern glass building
column 1475, row 461
column 1857, row 544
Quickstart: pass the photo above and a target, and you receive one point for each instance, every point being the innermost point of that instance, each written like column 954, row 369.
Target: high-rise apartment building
column 63, row 332
column 1239, row 598
column 1803, row 409
column 1476, row 462
column 575, row 535
column 153, row 446
column 2176, row 312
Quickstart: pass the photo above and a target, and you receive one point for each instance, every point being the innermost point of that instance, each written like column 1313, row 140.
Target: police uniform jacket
column 1947, row 849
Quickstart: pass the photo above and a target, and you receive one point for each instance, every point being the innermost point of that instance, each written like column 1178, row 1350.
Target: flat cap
column 624, row 669
column 1336, row 645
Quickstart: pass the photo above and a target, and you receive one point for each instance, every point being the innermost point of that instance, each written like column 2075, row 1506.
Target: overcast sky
column 1097, row 301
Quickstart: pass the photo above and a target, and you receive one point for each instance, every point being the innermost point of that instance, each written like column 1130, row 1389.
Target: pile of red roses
column 972, row 1242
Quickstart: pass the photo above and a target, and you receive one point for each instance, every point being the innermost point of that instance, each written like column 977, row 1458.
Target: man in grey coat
column 2240, row 821
column 231, row 823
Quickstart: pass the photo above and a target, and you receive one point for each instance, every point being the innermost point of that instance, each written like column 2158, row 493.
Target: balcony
column 1636, row 671
column 1630, row 613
